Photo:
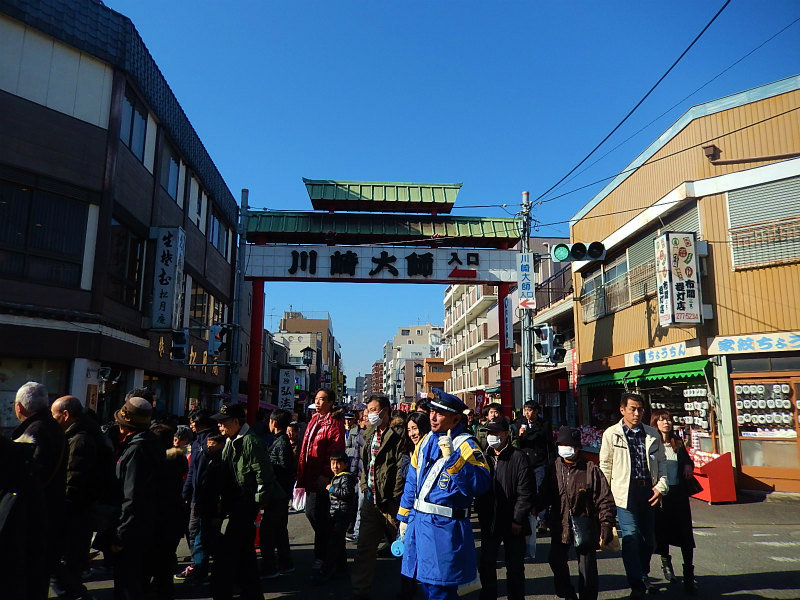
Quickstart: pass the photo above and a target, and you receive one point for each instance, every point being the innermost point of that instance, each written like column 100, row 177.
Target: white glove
column 403, row 527
column 446, row 445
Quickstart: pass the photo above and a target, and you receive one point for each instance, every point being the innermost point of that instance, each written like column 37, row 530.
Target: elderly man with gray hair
column 37, row 427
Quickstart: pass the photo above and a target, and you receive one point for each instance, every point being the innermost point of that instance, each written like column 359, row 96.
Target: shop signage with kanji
column 526, row 284
column 783, row 341
column 677, row 279
column 286, row 389
column 383, row 264
column 168, row 277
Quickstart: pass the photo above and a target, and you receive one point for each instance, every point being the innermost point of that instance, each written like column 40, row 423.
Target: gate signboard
column 383, row 264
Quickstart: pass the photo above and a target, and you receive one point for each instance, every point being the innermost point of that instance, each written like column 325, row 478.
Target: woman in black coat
column 674, row 517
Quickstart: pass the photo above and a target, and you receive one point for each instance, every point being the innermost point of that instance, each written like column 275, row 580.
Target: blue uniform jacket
column 441, row 550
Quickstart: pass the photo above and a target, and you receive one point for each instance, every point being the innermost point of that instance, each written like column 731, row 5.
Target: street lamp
column 308, row 355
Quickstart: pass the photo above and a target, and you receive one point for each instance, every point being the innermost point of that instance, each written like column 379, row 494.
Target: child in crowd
column 343, row 495
column 274, row 533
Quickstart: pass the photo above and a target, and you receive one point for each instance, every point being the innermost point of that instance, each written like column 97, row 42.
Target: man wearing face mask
column 447, row 471
column 382, row 486
column 503, row 512
column 578, row 487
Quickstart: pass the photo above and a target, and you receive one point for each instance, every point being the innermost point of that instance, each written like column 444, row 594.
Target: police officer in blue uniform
column 447, row 471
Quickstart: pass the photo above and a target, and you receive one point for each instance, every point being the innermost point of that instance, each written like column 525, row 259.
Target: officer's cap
column 442, row 401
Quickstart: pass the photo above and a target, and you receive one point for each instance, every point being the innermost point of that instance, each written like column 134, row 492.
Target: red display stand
column 716, row 477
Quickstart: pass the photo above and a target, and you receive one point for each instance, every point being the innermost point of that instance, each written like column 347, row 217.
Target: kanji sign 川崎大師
column 384, row 264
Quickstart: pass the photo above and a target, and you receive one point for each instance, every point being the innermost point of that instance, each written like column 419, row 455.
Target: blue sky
column 502, row 96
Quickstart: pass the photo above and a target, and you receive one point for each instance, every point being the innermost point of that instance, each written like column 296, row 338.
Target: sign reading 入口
column 677, row 279
column 381, row 264
column 526, row 284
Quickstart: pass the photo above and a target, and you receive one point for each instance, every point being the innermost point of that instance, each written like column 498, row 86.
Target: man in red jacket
column 324, row 436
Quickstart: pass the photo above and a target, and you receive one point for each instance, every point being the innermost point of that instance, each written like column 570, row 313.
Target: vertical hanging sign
column 526, row 286
column 286, row 382
column 677, row 279
column 168, row 278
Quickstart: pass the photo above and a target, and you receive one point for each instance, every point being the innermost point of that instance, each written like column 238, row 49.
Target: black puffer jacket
column 50, row 454
column 512, row 495
column 537, row 441
column 283, row 462
column 343, row 495
column 140, row 473
column 89, row 467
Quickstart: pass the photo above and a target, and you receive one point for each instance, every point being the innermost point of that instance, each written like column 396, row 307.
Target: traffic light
column 217, row 339
column 557, row 350
column 544, row 340
column 577, row 252
column 180, row 345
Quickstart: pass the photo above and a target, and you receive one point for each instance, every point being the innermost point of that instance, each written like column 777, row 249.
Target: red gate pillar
column 256, row 350
column 506, row 389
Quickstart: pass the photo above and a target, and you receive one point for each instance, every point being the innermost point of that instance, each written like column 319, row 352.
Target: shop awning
column 492, row 390
column 692, row 368
column 610, row 378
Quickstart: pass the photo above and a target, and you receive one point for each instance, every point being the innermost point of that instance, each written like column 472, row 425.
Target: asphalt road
column 744, row 551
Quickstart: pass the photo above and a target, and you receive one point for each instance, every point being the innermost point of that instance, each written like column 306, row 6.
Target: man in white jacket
column 632, row 459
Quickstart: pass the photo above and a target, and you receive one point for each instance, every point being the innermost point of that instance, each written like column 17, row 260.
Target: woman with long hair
column 674, row 517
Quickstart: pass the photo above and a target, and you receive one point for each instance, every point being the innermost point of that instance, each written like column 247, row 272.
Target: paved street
column 746, row 550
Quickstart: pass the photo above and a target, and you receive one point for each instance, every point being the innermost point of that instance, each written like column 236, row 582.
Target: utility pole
column 527, row 320
column 236, row 352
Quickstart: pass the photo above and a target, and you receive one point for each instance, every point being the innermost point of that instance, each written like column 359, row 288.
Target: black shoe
column 649, row 586
column 666, row 566
column 689, row 582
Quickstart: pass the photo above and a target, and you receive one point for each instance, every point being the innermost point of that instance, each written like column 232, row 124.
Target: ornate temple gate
column 378, row 232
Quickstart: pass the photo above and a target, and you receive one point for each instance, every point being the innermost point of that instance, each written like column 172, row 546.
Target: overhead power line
column 650, row 91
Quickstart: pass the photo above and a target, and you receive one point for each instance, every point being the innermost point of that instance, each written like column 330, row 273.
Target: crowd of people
column 131, row 489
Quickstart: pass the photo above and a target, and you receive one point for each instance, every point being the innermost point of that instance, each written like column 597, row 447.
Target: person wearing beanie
column 139, row 473
column 577, row 490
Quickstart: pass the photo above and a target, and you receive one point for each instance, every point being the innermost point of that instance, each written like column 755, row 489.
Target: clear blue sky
column 502, row 96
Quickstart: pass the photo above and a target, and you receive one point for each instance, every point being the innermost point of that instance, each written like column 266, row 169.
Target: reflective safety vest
column 420, row 503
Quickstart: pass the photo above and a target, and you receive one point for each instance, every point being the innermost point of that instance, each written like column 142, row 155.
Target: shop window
column 41, row 235
column 125, row 265
column 170, row 171
column 133, row 128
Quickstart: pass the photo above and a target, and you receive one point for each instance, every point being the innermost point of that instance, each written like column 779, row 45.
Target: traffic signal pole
column 527, row 320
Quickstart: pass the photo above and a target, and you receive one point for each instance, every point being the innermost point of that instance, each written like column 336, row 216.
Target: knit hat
column 135, row 413
column 569, row 436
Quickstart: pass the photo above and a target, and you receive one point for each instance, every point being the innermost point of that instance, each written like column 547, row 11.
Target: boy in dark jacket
column 274, row 533
column 343, row 501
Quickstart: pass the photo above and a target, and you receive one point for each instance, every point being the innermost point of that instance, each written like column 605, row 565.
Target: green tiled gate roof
column 265, row 227
column 381, row 196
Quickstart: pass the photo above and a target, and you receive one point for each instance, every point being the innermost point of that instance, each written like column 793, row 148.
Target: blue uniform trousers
column 440, row 592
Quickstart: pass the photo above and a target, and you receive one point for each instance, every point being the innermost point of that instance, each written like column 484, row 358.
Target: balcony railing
column 619, row 293
column 554, row 288
column 772, row 243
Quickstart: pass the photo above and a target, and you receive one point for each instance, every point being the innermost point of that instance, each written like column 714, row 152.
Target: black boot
column 666, row 566
column 689, row 583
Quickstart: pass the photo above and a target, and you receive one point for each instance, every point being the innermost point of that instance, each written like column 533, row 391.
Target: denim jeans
column 637, row 524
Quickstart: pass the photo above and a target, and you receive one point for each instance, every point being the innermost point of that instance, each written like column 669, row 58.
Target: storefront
column 15, row 372
column 552, row 391
column 683, row 388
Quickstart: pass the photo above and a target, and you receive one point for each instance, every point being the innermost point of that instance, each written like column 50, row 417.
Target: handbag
column 299, row 499
column 693, row 486
column 585, row 532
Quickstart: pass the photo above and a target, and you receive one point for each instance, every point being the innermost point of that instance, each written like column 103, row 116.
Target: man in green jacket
column 382, row 485
column 249, row 485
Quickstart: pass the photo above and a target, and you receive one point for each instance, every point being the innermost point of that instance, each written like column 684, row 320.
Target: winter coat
column 440, row 550
column 343, row 497
column 88, row 465
column 283, row 462
column 579, row 487
column 324, row 436
column 172, row 514
column 198, row 462
column 389, row 482
column 511, row 496
column 209, row 485
column 615, row 461
column 537, row 441
column 140, row 473
column 254, row 479
column 50, row 454
column 353, row 444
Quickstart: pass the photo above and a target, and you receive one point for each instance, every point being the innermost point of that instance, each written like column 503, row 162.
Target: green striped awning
column 609, row 378
column 692, row 368
column 492, row 390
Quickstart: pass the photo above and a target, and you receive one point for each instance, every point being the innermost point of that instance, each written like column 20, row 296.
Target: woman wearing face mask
column 578, row 487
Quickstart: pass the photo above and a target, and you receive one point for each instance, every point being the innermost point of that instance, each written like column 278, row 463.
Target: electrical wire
column 674, row 64
column 674, row 106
